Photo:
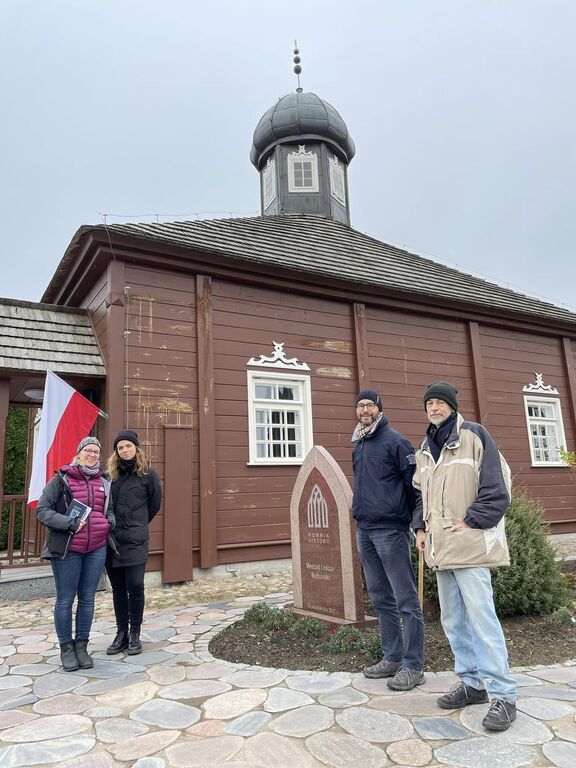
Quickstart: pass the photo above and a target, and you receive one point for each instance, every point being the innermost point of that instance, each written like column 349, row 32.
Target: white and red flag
column 67, row 417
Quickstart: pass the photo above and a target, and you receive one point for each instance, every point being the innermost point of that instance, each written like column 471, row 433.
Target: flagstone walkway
column 176, row 706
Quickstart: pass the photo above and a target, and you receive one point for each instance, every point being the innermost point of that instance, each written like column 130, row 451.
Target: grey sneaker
column 383, row 668
column 500, row 715
column 406, row 679
column 461, row 695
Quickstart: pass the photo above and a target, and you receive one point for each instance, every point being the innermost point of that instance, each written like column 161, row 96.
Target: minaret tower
column 302, row 148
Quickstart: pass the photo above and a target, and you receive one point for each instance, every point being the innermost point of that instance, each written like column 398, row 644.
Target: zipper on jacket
column 67, row 547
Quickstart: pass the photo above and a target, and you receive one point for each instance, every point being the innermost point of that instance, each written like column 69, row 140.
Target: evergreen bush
column 14, row 470
column 533, row 583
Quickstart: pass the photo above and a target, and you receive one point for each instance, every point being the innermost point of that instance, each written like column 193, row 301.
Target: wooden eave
column 91, row 250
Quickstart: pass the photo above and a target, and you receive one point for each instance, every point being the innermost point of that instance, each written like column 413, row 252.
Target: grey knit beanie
column 88, row 441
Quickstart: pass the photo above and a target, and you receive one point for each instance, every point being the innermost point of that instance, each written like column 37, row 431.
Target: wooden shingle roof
column 318, row 247
column 325, row 248
column 38, row 337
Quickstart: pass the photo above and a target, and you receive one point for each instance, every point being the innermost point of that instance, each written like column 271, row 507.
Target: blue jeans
column 391, row 584
column 471, row 625
column 78, row 574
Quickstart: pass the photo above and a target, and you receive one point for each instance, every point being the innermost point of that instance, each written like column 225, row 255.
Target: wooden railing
column 21, row 535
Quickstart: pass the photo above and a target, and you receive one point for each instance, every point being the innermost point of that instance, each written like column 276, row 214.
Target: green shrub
column 533, row 583
column 14, row 469
column 564, row 616
column 312, row 627
column 346, row 639
column 375, row 648
column 257, row 613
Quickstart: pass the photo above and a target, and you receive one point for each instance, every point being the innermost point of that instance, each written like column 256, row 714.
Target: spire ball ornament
column 297, row 67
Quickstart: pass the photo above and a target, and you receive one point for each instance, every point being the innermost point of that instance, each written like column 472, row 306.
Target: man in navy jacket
column 382, row 506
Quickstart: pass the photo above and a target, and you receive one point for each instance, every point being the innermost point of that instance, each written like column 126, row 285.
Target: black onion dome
column 299, row 116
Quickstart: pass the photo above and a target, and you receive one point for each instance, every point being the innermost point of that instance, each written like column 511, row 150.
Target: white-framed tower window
column 545, row 430
column 337, row 183
column 279, row 417
column 303, row 171
column 269, row 182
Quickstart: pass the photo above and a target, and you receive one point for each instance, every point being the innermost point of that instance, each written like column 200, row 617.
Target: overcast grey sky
column 462, row 111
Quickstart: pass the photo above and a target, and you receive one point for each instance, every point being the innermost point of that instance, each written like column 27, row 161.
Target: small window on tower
column 269, row 182
column 337, row 185
column 302, row 171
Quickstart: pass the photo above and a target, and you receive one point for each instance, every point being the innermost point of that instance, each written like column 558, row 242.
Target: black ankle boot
column 134, row 644
column 119, row 644
column 84, row 659
column 68, row 657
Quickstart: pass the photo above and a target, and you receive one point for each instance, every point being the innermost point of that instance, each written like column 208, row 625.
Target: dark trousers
column 385, row 556
column 78, row 574
column 128, row 595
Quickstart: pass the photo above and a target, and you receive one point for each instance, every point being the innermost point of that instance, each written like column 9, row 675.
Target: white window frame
column 269, row 183
column 303, row 157
column 337, row 181
column 557, row 422
column 303, row 407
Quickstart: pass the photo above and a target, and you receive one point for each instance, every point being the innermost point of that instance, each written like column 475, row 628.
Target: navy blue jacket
column 384, row 464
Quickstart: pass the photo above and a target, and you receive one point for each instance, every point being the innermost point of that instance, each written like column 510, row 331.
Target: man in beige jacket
column 459, row 524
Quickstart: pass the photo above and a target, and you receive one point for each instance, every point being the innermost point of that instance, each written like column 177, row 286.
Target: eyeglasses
column 367, row 406
column 91, row 453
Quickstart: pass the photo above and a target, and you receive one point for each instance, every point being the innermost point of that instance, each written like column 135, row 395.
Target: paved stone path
column 175, row 705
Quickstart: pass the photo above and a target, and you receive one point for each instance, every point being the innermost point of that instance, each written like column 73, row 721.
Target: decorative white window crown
column 539, row 387
column 278, row 359
column 302, row 151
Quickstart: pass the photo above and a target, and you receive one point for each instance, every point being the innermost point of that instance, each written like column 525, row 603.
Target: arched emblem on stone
column 326, row 574
column 278, row 359
column 317, row 509
column 538, row 387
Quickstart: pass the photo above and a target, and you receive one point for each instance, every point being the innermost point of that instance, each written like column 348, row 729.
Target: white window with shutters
column 280, row 418
column 545, row 430
column 303, row 171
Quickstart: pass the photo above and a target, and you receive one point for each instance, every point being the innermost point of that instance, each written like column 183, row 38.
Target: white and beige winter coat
column 471, row 482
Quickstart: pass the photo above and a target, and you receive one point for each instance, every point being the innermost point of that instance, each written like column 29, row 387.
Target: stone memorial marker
column 327, row 580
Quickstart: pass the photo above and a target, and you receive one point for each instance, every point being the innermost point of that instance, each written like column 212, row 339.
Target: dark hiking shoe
column 134, row 644
column 461, row 695
column 68, row 657
column 406, row 679
column 84, row 659
column 384, row 668
column 119, row 644
column 500, row 716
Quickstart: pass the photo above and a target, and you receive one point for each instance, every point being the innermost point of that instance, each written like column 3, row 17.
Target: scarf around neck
column 361, row 430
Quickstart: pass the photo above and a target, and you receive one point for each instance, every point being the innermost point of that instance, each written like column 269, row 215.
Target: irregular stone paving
column 175, row 706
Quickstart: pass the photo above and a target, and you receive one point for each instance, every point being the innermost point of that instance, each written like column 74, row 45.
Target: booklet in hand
column 77, row 509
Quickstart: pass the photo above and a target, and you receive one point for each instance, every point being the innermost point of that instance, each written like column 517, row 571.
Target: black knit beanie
column 127, row 434
column 369, row 394
column 441, row 390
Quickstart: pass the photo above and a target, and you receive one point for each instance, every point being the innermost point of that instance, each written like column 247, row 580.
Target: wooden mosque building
column 234, row 345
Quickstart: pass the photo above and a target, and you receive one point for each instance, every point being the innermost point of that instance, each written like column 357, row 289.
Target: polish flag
column 66, row 419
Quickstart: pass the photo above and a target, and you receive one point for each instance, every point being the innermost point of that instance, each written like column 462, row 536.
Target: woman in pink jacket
column 77, row 548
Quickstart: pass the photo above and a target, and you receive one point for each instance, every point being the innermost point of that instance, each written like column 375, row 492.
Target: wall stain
column 336, row 372
column 153, row 411
column 143, row 308
column 331, row 346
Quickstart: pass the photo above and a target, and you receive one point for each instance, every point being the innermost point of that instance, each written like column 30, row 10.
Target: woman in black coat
column 137, row 495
